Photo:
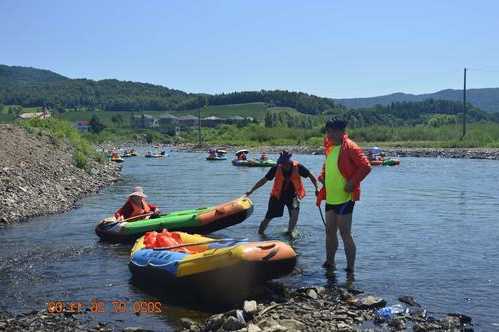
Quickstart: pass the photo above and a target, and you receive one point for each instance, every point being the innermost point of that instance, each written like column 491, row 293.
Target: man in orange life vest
column 136, row 206
column 288, row 189
column 345, row 167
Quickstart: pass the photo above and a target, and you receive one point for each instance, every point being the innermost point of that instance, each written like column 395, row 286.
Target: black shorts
column 276, row 207
column 341, row 209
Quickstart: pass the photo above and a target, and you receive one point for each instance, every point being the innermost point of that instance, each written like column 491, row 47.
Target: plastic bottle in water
column 389, row 312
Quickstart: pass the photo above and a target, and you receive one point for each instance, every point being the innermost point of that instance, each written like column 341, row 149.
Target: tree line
column 30, row 87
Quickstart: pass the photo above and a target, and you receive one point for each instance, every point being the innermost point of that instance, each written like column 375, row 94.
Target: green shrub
column 80, row 160
column 61, row 130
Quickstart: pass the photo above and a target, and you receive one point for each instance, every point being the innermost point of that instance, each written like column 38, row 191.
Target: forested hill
column 15, row 75
column 34, row 87
column 486, row 99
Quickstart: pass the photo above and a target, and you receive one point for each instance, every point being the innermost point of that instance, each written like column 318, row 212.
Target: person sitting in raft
column 136, row 207
column 242, row 156
column 287, row 191
column 212, row 153
column 264, row 157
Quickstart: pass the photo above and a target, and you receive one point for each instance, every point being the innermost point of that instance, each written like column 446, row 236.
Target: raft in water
column 194, row 260
column 201, row 220
column 385, row 162
column 216, row 158
column 254, row 163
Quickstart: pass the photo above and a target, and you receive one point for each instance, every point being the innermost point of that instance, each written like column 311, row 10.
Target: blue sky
column 329, row 48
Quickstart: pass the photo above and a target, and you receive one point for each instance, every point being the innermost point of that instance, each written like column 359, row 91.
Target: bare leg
column 263, row 225
column 293, row 220
column 331, row 237
column 345, row 226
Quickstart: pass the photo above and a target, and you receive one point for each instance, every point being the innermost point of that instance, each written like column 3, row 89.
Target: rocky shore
column 44, row 321
column 38, row 175
column 463, row 153
column 303, row 309
column 321, row 309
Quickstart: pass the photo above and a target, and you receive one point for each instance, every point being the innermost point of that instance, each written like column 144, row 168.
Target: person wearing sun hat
column 287, row 190
column 344, row 169
column 136, row 207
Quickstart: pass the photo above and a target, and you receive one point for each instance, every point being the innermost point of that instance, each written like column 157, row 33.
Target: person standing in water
column 287, row 191
column 345, row 167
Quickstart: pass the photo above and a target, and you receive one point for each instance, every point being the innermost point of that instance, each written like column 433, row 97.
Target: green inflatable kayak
column 254, row 163
column 199, row 221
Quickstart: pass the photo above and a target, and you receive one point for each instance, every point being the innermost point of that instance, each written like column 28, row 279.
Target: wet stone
column 250, row 307
column 232, row 324
column 312, row 294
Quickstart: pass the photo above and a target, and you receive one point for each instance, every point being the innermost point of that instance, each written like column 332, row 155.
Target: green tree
column 117, row 119
column 96, row 125
column 268, row 120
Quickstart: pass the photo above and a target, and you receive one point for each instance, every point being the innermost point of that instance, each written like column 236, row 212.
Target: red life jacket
column 295, row 180
column 130, row 209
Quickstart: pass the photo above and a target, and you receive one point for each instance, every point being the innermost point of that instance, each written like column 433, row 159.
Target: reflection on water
column 427, row 228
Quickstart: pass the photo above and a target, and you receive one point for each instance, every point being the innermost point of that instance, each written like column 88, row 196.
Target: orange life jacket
column 130, row 209
column 137, row 210
column 167, row 239
column 295, row 180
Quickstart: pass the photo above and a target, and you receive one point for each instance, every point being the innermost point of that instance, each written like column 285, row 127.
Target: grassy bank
column 275, row 126
column 62, row 130
column 479, row 135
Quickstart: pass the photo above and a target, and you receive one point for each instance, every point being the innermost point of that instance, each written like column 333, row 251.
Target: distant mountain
column 10, row 75
column 486, row 99
column 35, row 87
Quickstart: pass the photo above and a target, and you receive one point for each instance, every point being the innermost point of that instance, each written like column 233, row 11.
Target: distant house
column 40, row 115
column 235, row 119
column 83, row 126
column 167, row 120
column 212, row 121
column 145, row 121
column 188, row 121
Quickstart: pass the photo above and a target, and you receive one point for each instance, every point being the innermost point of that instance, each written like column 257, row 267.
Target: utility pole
column 199, row 119
column 199, row 126
column 464, row 105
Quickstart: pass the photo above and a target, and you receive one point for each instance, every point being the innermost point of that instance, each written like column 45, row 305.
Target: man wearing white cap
column 136, row 207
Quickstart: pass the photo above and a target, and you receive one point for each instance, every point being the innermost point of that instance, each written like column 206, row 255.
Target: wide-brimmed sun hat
column 138, row 191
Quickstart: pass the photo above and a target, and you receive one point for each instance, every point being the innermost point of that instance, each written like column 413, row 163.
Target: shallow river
column 429, row 229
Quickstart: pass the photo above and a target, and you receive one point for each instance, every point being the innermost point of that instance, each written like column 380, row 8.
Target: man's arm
column 314, row 182
column 363, row 167
column 257, row 185
column 360, row 160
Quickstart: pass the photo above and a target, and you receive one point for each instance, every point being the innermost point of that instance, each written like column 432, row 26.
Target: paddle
column 198, row 244
column 322, row 217
column 138, row 217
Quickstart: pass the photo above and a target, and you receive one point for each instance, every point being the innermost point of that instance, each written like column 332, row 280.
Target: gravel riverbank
column 38, row 175
column 304, row 309
column 321, row 309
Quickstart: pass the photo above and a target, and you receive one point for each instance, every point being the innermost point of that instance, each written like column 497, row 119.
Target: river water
column 428, row 228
